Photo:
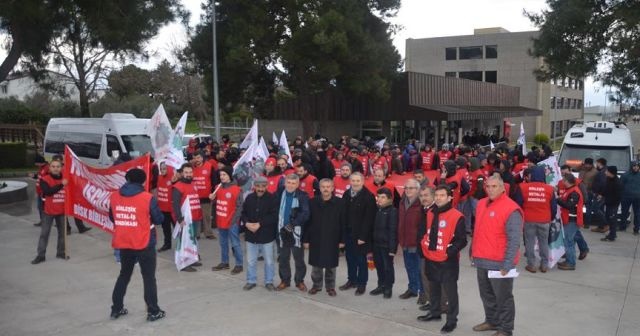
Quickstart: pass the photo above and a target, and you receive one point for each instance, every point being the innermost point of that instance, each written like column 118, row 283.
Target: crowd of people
column 341, row 198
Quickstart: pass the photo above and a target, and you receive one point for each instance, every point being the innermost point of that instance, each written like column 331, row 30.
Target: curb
column 16, row 174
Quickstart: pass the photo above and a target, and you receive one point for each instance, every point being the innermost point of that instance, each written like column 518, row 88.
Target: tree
column 306, row 45
column 82, row 35
column 130, row 80
column 578, row 35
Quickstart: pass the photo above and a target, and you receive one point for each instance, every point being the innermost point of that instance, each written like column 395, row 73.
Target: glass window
column 137, row 144
column 470, row 53
column 451, row 54
column 112, row 145
column 553, row 102
column 450, row 74
column 571, row 83
column 86, row 145
column 574, row 104
column 560, row 104
column 573, row 155
column 491, row 76
column 54, row 143
column 567, row 103
column 491, row 51
column 4, row 89
column 581, row 85
column 473, row 75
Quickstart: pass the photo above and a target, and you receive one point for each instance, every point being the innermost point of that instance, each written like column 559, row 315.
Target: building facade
column 498, row 56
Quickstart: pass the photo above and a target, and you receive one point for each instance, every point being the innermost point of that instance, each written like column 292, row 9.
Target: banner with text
column 89, row 189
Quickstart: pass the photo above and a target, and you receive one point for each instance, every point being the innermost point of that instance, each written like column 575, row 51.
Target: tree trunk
column 14, row 54
column 84, row 100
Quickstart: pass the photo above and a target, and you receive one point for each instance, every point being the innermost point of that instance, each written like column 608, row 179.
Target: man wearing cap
column 612, row 197
column 135, row 213
column 228, row 202
column 273, row 174
column 259, row 221
column 631, row 197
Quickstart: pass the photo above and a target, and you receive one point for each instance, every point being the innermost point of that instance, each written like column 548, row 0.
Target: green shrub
column 541, row 139
column 13, row 154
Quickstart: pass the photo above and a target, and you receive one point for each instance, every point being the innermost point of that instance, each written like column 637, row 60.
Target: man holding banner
column 181, row 190
column 134, row 213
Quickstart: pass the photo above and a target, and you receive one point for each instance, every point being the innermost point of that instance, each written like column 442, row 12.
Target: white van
column 98, row 141
column 598, row 139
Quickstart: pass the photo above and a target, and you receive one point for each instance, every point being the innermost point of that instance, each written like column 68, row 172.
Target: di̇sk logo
column 227, row 195
column 442, row 224
column 492, row 214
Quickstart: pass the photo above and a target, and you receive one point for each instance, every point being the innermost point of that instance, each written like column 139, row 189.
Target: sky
column 419, row 19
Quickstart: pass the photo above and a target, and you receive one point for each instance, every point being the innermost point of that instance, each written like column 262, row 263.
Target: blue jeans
column 582, row 244
column 412, row 265
column 233, row 234
column 569, row 242
column 633, row 203
column 253, row 250
column 358, row 271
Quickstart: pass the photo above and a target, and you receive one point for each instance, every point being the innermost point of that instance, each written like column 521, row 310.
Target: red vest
column 341, row 185
column 447, row 222
column 464, row 175
column 226, row 205
column 337, row 165
column 54, row 204
column 306, row 185
column 444, row 156
column 188, row 189
column 131, row 221
column 44, row 170
column 427, row 160
column 487, row 170
column 537, row 202
column 365, row 164
column 272, row 183
column 456, row 191
column 562, row 188
column 379, row 164
column 373, row 188
column 202, row 179
column 518, row 168
column 564, row 213
column 164, row 190
column 490, row 234
column 475, row 175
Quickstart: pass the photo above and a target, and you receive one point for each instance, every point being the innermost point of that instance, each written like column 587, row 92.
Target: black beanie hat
column 613, row 170
column 136, row 175
column 228, row 170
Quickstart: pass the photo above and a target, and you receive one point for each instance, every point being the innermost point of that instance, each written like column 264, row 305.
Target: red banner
column 89, row 189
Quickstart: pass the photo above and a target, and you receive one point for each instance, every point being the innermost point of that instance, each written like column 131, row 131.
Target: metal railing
column 28, row 133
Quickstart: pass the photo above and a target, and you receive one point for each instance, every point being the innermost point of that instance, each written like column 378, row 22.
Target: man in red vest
column 228, row 202
column 428, row 158
column 43, row 169
column 378, row 182
column 341, row 181
column 446, row 236
column 273, row 174
column 204, row 180
column 52, row 188
column 135, row 213
column 496, row 247
column 166, row 177
column 539, row 209
column 181, row 189
column 308, row 183
column 571, row 203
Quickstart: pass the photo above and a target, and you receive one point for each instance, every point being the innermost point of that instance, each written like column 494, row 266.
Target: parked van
column 98, row 141
column 598, row 139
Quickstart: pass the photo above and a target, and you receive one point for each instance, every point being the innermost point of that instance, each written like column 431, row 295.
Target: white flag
column 248, row 155
column 175, row 157
column 552, row 172
column 252, row 136
column 274, row 138
column 159, row 131
column 186, row 245
column 380, row 144
column 263, row 151
column 521, row 140
column 284, row 145
column 491, row 145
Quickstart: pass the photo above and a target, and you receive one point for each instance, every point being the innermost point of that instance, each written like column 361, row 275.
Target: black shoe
column 249, row 286
column 377, row 291
column 425, row 307
column 360, row 290
column 607, row 239
column 37, row 224
column 260, row 258
column 62, row 256
column 116, row 314
column 408, row 294
column 84, row 229
column 422, row 298
column 429, row 317
column 220, row 267
column 154, row 317
column 236, row 270
column 387, row 293
column 189, row 269
column 196, row 264
column 448, row 327
column 346, row 286
column 164, row 248
column 37, row 260
column 270, row 287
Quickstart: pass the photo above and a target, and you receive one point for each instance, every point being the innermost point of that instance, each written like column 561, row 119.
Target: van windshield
column 573, row 155
column 137, row 144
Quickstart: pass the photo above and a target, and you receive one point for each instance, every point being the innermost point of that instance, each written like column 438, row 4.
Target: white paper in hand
column 513, row 273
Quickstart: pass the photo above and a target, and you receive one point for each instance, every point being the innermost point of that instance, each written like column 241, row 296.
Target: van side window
column 86, row 145
column 54, row 143
column 112, row 144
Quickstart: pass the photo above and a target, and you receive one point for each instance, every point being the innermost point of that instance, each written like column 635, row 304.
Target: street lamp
column 216, row 107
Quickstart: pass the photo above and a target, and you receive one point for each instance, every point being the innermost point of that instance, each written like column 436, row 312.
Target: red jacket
column 446, row 230
column 226, row 205
column 408, row 221
column 341, row 185
column 490, row 234
column 131, row 221
column 54, row 204
column 537, row 198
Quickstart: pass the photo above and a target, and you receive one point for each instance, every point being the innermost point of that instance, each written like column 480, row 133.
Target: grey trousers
column 329, row 277
column 539, row 231
column 45, row 230
column 423, row 277
column 497, row 300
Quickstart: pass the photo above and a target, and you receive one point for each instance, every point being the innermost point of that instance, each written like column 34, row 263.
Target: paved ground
column 602, row 297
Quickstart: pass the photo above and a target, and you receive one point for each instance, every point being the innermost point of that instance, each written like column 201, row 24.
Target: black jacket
column 612, row 191
column 261, row 210
column 324, row 231
column 385, row 229
column 361, row 211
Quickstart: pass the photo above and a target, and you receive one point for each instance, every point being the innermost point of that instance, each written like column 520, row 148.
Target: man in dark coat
column 324, row 236
column 441, row 247
column 360, row 211
column 612, row 199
